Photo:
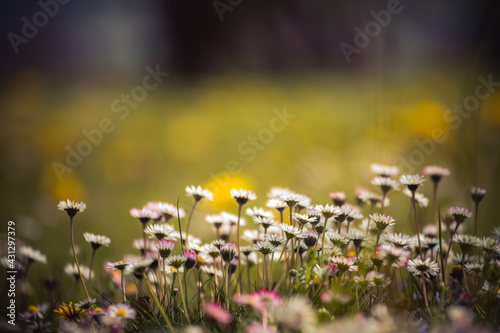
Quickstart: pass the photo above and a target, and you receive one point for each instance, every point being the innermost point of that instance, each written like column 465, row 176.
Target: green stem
column 91, row 264
column 75, row 257
column 238, row 246
column 122, row 283
column 164, row 315
column 189, row 222
column 416, row 223
column 183, row 298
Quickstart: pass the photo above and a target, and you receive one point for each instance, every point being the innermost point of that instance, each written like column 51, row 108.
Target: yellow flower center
column 121, row 312
column 32, row 309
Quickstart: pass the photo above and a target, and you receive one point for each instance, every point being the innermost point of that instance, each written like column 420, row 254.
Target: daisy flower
column 382, row 221
column 216, row 313
column 385, row 184
column 138, row 267
column 344, row 264
column 259, row 212
column 118, row 265
column 393, row 256
column 399, row 240
column 250, row 235
column 274, row 239
column 412, row 181
column 291, row 199
column 302, row 219
column 198, row 193
column 276, row 192
column 277, row 204
column 435, row 172
column 328, row 210
column 356, row 238
column 159, row 231
column 232, row 219
column 265, row 247
column 265, row 300
column 190, row 259
column 96, row 241
column 310, row 238
column 477, row 194
column 72, row 270
column 425, row 268
column 139, row 245
column 290, row 231
column 144, row 214
column 69, row 311
column 211, row 250
column 466, row 242
column 460, row 214
column 165, row 247
column 71, row 207
column 228, row 251
column 86, row 303
column 474, row 269
column 32, row 255
column 338, row 198
column 304, row 202
column 420, row 199
column 168, row 210
column 384, row 170
column 375, row 279
column 242, row 196
column 264, row 222
column 337, row 239
column 121, row 311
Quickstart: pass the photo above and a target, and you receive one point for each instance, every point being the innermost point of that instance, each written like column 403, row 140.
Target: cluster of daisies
column 294, row 265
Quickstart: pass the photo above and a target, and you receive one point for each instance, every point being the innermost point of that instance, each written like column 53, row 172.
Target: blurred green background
column 226, row 78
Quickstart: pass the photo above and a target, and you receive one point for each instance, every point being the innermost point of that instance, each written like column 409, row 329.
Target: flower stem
column 416, row 223
column 475, row 218
column 183, row 297
column 74, row 255
column 239, row 250
column 91, row 263
column 164, row 315
column 123, row 286
column 189, row 222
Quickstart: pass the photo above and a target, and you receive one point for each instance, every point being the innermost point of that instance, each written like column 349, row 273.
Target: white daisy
column 338, row 198
column 32, row 255
column 277, row 204
column 259, row 212
column 477, row 194
column 420, row 199
column 425, row 268
column 198, row 193
column 71, row 207
column 382, row 221
column 412, row 181
column 242, row 196
column 160, row 231
column 121, row 311
column 385, row 184
column 384, row 170
column 96, row 241
column 435, row 172
column 460, row 214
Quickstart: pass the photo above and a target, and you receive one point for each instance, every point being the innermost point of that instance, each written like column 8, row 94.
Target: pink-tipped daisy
column 436, row 173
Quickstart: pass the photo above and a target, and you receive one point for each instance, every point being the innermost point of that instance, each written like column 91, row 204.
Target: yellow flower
column 69, row 311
